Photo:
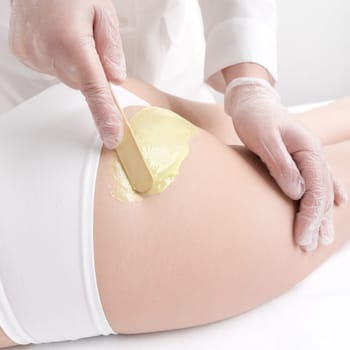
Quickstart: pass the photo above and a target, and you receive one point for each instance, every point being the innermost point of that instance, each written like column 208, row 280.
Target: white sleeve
column 238, row 31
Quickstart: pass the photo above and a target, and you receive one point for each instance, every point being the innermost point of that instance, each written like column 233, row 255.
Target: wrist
column 246, row 70
column 251, row 87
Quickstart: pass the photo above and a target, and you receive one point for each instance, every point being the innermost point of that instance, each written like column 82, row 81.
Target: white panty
column 49, row 155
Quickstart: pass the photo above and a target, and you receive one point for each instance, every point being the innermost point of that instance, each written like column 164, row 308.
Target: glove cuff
column 248, row 89
column 248, row 81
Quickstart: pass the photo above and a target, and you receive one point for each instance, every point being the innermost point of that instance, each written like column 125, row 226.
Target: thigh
column 4, row 340
column 330, row 123
column 216, row 243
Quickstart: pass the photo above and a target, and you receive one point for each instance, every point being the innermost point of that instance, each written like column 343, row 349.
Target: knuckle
column 326, row 221
column 102, row 108
column 312, row 166
column 315, row 199
column 108, row 126
column 308, row 216
column 312, row 157
column 316, row 205
column 95, row 93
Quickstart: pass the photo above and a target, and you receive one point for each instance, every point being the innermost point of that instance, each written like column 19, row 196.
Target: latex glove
column 292, row 154
column 77, row 41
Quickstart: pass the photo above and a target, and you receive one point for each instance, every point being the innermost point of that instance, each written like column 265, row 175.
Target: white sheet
column 313, row 315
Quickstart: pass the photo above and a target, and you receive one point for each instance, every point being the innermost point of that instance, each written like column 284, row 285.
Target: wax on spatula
column 131, row 158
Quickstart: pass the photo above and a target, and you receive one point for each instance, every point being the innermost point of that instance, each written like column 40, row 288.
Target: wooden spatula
column 131, row 158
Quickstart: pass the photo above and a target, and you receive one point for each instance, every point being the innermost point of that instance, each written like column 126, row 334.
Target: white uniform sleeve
column 238, row 31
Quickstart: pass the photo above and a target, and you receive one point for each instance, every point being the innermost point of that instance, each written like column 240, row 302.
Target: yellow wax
column 164, row 139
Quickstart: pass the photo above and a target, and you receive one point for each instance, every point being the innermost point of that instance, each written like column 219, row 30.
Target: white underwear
column 49, row 155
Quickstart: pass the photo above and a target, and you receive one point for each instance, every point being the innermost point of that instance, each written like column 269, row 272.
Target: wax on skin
column 164, row 139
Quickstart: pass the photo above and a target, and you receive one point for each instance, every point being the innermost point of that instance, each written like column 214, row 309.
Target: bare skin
column 160, row 267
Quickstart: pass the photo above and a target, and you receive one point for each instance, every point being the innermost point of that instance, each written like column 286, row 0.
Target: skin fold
column 205, row 249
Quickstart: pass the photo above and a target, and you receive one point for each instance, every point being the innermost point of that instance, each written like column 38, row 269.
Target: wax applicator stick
column 131, row 158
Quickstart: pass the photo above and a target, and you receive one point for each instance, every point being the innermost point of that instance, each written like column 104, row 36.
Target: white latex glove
column 293, row 156
column 77, row 41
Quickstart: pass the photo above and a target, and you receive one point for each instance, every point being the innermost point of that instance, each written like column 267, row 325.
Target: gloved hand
column 77, row 41
column 293, row 156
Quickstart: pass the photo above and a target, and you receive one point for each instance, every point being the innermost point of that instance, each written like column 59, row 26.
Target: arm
column 244, row 32
column 238, row 31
